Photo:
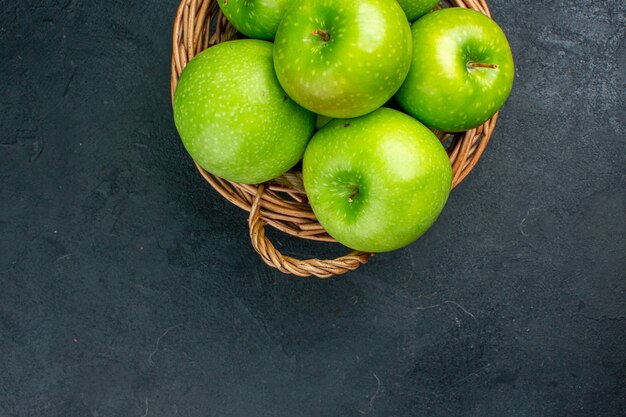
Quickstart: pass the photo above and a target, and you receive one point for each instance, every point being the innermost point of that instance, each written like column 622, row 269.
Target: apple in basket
column 342, row 58
column 256, row 19
column 417, row 8
column 234, row 118
column 377, row 182
column 461, row 73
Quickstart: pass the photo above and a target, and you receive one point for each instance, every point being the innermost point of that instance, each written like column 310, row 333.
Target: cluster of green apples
column 352, row 88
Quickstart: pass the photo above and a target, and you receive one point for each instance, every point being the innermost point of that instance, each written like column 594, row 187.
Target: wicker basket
column 282, row 203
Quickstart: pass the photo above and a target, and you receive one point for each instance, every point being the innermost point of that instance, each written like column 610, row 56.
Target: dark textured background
column 129, row 288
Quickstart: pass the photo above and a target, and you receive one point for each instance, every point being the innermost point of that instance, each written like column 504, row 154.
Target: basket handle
column 289, row 265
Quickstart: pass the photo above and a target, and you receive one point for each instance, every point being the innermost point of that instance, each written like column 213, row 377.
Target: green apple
column 417, row 8
column 234, row 118
column 257, row 19
column 342, row 58
column 461, row 73
column 378, row 182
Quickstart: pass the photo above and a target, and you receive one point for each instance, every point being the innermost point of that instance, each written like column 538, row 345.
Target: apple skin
column 417, row 8
column 322, row 121
column 342, row 58
column 256, row 19
column 234, row 118
column 378, row 182
column 442, row 90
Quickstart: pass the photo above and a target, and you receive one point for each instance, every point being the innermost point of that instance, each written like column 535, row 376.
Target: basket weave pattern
column 282, row 203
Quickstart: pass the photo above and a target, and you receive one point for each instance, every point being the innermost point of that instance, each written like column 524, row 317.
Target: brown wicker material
column 282, row 203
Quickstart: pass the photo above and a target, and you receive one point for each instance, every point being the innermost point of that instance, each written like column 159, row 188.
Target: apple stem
column 354, row 194
column 473, row 65
column 323, row 34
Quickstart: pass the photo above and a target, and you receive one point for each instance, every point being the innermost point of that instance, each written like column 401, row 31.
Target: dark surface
column 129, row 288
